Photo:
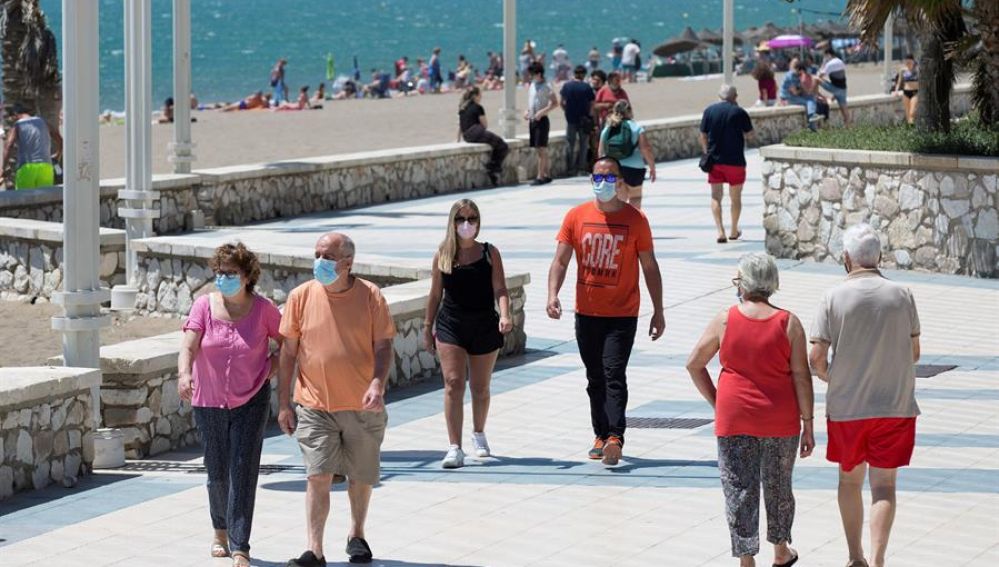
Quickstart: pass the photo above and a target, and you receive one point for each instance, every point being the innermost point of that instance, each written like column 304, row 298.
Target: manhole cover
column 667, row 422
column 931, row 370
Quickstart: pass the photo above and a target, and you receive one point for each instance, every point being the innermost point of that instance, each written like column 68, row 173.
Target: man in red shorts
column 725, row 126
column 872, row 325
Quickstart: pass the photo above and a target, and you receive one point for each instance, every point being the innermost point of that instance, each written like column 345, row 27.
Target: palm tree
column 30, row 62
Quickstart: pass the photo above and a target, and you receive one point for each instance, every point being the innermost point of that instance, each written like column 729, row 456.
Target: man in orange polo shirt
column 611, row 239
column 338, row 329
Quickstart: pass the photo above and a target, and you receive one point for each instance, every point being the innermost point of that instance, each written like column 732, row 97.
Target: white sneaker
column 480, row 444
column 454, row 459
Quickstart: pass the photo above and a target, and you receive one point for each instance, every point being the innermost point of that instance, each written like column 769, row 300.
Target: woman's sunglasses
column 600, row 177
column 460, row 219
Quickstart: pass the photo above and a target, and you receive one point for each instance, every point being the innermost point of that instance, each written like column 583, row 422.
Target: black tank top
column 470, row 287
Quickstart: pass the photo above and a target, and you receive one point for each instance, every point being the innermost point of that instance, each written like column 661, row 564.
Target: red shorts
column 882, row 442
column 731, row 174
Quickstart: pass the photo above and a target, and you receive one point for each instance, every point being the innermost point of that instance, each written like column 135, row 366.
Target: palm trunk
column 986, row 79
column 936, row 74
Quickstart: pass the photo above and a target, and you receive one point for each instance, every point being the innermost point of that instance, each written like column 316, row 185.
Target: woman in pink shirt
column 224, row 370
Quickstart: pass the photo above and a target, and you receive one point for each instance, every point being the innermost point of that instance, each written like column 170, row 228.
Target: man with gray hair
column 873, row 328
column 338, row 331
column 725, row 126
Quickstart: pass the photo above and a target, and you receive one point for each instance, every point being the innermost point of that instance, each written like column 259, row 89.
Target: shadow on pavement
column 374, row 563
column 31, row 498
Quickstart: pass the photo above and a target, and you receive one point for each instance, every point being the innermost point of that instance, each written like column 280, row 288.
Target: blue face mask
column 228, row 285
column 604, row 191
column 325, row 271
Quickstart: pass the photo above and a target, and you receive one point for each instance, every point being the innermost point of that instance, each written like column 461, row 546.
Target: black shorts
column 910, row 93
column 539, row 132
column 477, row 333
column 633, row 176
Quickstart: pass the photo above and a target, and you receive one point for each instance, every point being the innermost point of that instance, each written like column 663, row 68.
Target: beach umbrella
column 784, row 41
column 769, row 30
column 686, row 41
column 715, row 37
column 330, row 67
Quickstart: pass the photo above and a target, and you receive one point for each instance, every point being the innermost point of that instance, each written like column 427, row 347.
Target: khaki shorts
column 343, row 442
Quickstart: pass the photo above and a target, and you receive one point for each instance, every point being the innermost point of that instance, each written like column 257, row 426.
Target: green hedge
column 967, row 137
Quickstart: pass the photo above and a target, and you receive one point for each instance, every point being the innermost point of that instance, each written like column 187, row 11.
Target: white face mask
column 467, row 230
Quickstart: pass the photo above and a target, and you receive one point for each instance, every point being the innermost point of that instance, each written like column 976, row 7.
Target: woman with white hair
column 764, row 389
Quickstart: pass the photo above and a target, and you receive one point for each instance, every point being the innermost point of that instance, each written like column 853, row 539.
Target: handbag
column 707, row 162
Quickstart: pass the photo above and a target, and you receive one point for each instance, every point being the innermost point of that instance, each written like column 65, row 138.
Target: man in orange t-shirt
column 611, row 239
column 338, row 330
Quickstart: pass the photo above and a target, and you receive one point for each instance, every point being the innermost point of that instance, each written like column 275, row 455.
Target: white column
column 889, row 48
column 508, row 115
column 137, row 195
column 82, row 293
column 181, row 154
column 728, row 43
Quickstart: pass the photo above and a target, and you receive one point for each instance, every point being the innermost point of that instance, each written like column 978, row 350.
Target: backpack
column 621, row 141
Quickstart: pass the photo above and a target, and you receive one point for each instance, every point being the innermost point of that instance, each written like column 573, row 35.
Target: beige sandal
column 240, row 559
column 219, row 549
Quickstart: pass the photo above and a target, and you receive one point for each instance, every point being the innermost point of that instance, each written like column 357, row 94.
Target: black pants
column 479, row 135
column 233, row 440
column 605, row 347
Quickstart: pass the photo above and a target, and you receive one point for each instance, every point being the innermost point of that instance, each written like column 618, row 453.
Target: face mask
column 466, row 230
column 325, row 271
column 228, row 285
column 604, row 191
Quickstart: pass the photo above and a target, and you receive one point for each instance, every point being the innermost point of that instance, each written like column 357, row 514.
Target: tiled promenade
column 540, row 501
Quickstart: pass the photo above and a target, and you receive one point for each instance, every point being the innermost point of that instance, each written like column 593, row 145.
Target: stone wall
column 246, row 193
column 31, row 258
column 934, row 213
column 46, row 430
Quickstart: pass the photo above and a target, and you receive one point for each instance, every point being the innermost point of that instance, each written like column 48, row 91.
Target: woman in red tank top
column 764, row 389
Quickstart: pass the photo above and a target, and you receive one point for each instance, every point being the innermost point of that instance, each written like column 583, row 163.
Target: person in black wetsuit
column 472, row 126
column 468, row 275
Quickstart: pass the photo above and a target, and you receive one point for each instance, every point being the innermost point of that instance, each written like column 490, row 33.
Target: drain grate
column 171, row 467
column 931, row 370
column 667, row 422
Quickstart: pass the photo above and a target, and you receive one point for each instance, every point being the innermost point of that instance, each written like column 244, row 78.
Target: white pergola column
column 728, row 43
column 508, row 115
column 82, row 294
column 889, row 48
column 181, row 150
column 137, row 195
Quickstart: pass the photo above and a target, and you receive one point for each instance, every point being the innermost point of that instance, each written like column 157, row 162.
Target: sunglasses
column 227, row 274
column 460, row 219
column 600, row 177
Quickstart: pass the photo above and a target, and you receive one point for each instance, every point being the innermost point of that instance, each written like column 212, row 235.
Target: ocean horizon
column 234, row 43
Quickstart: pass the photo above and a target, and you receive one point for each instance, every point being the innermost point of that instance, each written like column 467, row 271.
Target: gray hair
column 727, row 92
column 758, row 273
column 863, row 245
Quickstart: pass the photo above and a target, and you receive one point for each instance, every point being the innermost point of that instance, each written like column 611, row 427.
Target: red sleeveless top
column 756, row 389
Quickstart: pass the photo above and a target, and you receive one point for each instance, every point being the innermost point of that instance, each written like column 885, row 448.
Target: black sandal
column 358, row 550
column 721, row 240
column 789, row 563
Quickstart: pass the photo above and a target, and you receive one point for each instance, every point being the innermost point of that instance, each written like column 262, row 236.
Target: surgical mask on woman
column 325, row 271
column 228, row 284
column 466, row 230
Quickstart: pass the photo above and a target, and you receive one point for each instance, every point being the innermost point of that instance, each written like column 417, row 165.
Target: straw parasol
column 715, row 37
column 686, row 41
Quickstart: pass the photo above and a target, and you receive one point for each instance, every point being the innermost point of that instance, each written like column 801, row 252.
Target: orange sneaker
column 612, row 450
column 597, row 452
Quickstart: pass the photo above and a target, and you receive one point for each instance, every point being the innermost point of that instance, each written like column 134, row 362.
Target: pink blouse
column 232, row 362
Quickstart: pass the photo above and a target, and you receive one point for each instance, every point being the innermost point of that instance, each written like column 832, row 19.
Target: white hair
column 863, row 245
column 727, row 92
column 758, row 273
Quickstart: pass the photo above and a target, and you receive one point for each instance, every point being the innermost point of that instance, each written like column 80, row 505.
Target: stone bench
column 46, row 429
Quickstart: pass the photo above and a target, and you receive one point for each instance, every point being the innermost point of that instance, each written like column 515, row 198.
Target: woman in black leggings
column 468, row 275
column 472, row 126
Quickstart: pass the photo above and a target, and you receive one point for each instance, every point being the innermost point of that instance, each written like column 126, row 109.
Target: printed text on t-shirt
column 600, row 250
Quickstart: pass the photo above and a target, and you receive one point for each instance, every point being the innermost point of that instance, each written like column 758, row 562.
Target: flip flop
column 240, row 560
column 792, row 561
column 219, row 550
column 721, row 240
column 737, row 236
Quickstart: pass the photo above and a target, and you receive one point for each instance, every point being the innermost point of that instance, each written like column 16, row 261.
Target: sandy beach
column 343, row 126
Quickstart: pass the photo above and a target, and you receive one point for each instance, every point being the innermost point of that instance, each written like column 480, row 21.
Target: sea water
column 235, row 43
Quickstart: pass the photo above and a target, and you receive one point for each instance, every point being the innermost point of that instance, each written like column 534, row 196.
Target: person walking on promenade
column 832, row 75
column 541, row 101
column 907, row 86
column 764, row 387
column 34, row 140
column 576, row 98
column 338, row 331
column 872, row 326
column 278, row 82
column 224, row 369
column 610, row 93
column 436, row 79
column 792, row 92
column 468, row 275
column 472, row 126
column 624, row 140
column 725, row 126
column 611, row 240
